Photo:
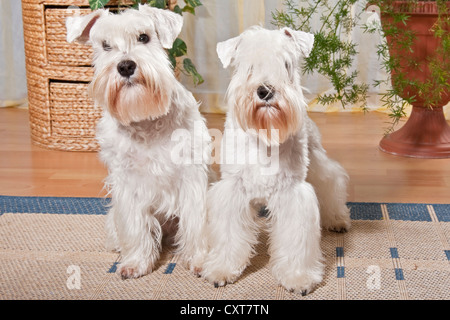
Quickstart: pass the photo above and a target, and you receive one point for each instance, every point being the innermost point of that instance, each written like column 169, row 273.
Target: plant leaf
column 178, row 49
column 193, row 3
column 160, row 4
column 191, row 70
column 97, row 4
column 178, row 10
column 188, row 9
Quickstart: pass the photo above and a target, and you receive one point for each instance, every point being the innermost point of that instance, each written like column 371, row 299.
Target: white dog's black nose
column 265, row 92
column 126, row 68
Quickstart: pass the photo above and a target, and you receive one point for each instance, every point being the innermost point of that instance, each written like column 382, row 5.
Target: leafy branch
column 179, row 47
column 332, row 56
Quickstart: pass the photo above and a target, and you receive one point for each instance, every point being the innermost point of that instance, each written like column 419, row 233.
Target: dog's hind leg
column 330, row 183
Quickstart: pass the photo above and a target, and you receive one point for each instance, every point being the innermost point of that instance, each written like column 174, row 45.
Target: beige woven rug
column 393, row 251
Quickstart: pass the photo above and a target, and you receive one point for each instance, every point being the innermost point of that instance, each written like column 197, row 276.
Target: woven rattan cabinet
column 62, row 117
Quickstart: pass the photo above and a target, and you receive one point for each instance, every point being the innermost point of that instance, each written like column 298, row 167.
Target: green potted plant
column 332, row 55
column 179, row 48
column 417, row 55
column 419, row 76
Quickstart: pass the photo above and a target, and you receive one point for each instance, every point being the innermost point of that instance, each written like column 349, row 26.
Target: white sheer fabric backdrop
column 215, row 21
column 219, row 20
column 13, row 81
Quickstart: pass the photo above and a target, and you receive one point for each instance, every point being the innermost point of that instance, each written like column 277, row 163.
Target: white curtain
column 219, row 20
column 13, row 88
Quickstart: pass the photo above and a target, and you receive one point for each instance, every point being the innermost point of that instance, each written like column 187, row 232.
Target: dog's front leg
column 232, row 232
column 139, row 237
column 191, row 236
column 295, row 253
column 112, row 241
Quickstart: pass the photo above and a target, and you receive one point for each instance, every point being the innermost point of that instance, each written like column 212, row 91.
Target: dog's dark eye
column 106, row 46
column 290, row 70
column 288, row 67
column 144, row 38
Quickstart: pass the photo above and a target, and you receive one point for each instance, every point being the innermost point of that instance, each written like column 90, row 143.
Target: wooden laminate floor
column 350, row 138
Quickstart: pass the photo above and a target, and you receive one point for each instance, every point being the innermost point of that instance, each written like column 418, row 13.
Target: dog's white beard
column 133, row 101
column 273, row 123
column 137, row 103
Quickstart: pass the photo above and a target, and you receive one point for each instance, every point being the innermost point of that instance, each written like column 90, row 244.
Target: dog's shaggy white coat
column 306, row 189
column 143, row 105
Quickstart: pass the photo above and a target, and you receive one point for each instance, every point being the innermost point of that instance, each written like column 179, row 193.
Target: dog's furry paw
column 195, row 268
column 220, row 277
column 298, row 278
column 220, row 280
column 339, row 226
column 303, row 283
column 133, row 270
column 194, row 264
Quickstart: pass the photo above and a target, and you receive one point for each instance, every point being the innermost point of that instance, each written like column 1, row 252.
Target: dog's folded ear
column 226, row 50
column 79, row 27
column 167, row 24
column 303, row 40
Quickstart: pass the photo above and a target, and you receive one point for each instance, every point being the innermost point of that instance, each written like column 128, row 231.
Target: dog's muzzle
column 126, row 68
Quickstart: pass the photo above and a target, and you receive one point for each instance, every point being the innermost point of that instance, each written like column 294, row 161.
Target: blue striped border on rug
column 365, row 211
column 99, row 206
column 170, row 268
column 398, row 211
column 113, row 268
column 408, row 212
column 442, row 212
column 58, row 205
column 447, row 253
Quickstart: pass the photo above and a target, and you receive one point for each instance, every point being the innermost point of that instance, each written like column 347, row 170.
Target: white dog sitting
column 266, row 105
column 143, row 104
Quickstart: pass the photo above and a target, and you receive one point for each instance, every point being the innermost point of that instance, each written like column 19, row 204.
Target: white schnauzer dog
column 266, row 104
column 143, row 105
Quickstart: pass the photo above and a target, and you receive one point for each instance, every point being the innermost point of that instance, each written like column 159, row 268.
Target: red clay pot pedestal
column 426, row 134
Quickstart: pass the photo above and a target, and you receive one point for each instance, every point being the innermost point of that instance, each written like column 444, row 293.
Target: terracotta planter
column 426, row 134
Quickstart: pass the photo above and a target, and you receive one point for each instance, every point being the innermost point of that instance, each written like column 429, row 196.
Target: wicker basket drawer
column 72, row 111
column 62, row 117
column 59, row 51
